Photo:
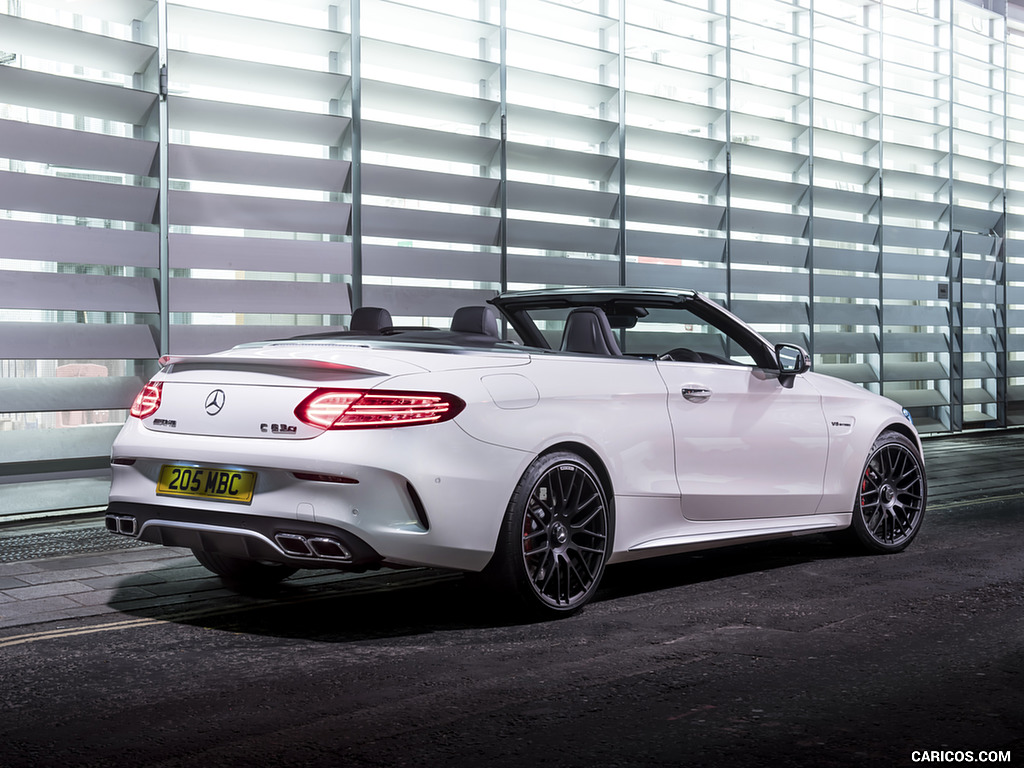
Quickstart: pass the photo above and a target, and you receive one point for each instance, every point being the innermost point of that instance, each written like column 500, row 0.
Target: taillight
column 354, row 409
column 148, row 400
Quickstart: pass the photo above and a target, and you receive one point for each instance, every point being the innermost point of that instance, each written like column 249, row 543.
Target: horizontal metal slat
column 38, row 39
column 259, row 254
column 97, row 293
column 778, row 283
column 76, row 149
column 829, row 313
column 845, row 343
column 562, row 237
column 251, row 31
column 191, row 294
column 774, row 254
column 579, row 202
column 693, row 180
column 669, row 245
column 265, row 77
column 259, row 213
column 843, row 259
column 190, row 114
column 421, row 301
column 703, row 279
column 235, row 166
column 88, row 245
column 562, row 271
column 430, row 225
column 385, row 181
column 768, row 223
column 843, row 231
column 72, row 95
column 899, row 314
column 560, row 162
column 55, row 445
column 75, row 197
column 400, row 261
column 676, row 213
column 785, row 312
column 424, row 142
column 204, row 339
column 74, row 393
column 77, row 341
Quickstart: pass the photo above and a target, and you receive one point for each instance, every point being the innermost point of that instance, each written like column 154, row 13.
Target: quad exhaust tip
column 126, row 525
column 313, row 546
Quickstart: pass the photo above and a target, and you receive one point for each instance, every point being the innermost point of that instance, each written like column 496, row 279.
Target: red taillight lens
column 148, row 400
column 354, row 409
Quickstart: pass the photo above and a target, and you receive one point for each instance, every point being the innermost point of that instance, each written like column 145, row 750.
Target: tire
column 240, row 572
column 556, row 537
column 892, row 496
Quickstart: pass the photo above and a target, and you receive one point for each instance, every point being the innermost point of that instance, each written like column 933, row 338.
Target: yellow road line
column 970, row 502
column 362, row 587
column 51, row 634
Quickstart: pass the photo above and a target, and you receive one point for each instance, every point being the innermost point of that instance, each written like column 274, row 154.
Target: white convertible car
column 584, row 427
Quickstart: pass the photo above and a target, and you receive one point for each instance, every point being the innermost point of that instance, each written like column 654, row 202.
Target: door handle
column 696, row 393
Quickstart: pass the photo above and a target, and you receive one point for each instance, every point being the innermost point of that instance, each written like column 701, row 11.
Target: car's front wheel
column 241, row 572
column 556, row 536
column 891, row 500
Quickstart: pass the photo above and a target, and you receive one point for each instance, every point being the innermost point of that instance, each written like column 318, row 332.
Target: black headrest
column 370, row 319
column 587, row 330
column 481, row 320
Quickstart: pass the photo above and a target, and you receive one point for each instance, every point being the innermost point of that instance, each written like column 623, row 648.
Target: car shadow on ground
column 422, row 601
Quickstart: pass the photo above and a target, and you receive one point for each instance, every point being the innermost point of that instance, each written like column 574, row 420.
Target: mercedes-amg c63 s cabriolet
column 535, row 444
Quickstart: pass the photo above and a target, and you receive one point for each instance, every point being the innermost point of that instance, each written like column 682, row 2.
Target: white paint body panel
column 756, row 460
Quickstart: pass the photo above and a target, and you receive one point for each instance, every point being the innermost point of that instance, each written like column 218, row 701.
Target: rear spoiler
column 262, row 365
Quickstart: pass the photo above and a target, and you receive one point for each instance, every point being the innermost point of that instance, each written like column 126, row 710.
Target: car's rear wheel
column 556, row 536
column 893, row 492
column 241, row 572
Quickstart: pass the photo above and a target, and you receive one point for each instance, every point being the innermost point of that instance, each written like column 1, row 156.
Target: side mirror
column 792, row 359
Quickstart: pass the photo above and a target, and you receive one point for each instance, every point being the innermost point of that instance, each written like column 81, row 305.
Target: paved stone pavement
column 70, row 569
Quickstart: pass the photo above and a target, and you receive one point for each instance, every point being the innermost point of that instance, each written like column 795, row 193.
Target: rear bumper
column 296, row 543
column 420, row 496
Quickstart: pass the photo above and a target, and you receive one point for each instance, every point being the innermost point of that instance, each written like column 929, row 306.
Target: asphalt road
column 792, row 653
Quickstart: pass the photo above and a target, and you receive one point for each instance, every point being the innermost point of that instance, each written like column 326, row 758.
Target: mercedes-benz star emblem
column 215, row 402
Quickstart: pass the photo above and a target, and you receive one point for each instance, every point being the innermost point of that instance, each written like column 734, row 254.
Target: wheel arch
column 593, row 458
column 901, row 428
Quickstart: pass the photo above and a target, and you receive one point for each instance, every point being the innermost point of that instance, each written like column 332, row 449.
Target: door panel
column 746, row 445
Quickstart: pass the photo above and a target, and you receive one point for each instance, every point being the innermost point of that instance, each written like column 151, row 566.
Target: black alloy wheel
column 557, row 535
column 893, row 492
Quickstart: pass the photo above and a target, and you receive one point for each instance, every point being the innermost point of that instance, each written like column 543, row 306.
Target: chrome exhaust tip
column 329, row 549
column 293, row 544
column 321, row 547
column 126, row 525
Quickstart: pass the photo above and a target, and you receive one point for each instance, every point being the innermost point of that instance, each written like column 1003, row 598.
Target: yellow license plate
column 206, row 483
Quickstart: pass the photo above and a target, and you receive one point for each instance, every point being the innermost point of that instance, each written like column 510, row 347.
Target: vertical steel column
column 503, row 142
column 355, row 51
column 810, row 182
column 956, row 266
column 1002, row 291
column 164, row 272
column 728, row 153
column 622, row 142
column 881, row 200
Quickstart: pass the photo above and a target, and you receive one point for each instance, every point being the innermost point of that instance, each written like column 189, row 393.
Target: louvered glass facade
column 184, row 176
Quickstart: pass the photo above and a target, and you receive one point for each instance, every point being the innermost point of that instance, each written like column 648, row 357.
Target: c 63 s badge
column 278, row 429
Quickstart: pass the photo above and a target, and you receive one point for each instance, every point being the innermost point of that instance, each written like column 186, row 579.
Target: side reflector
column 148, row 400
column 354, row 409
